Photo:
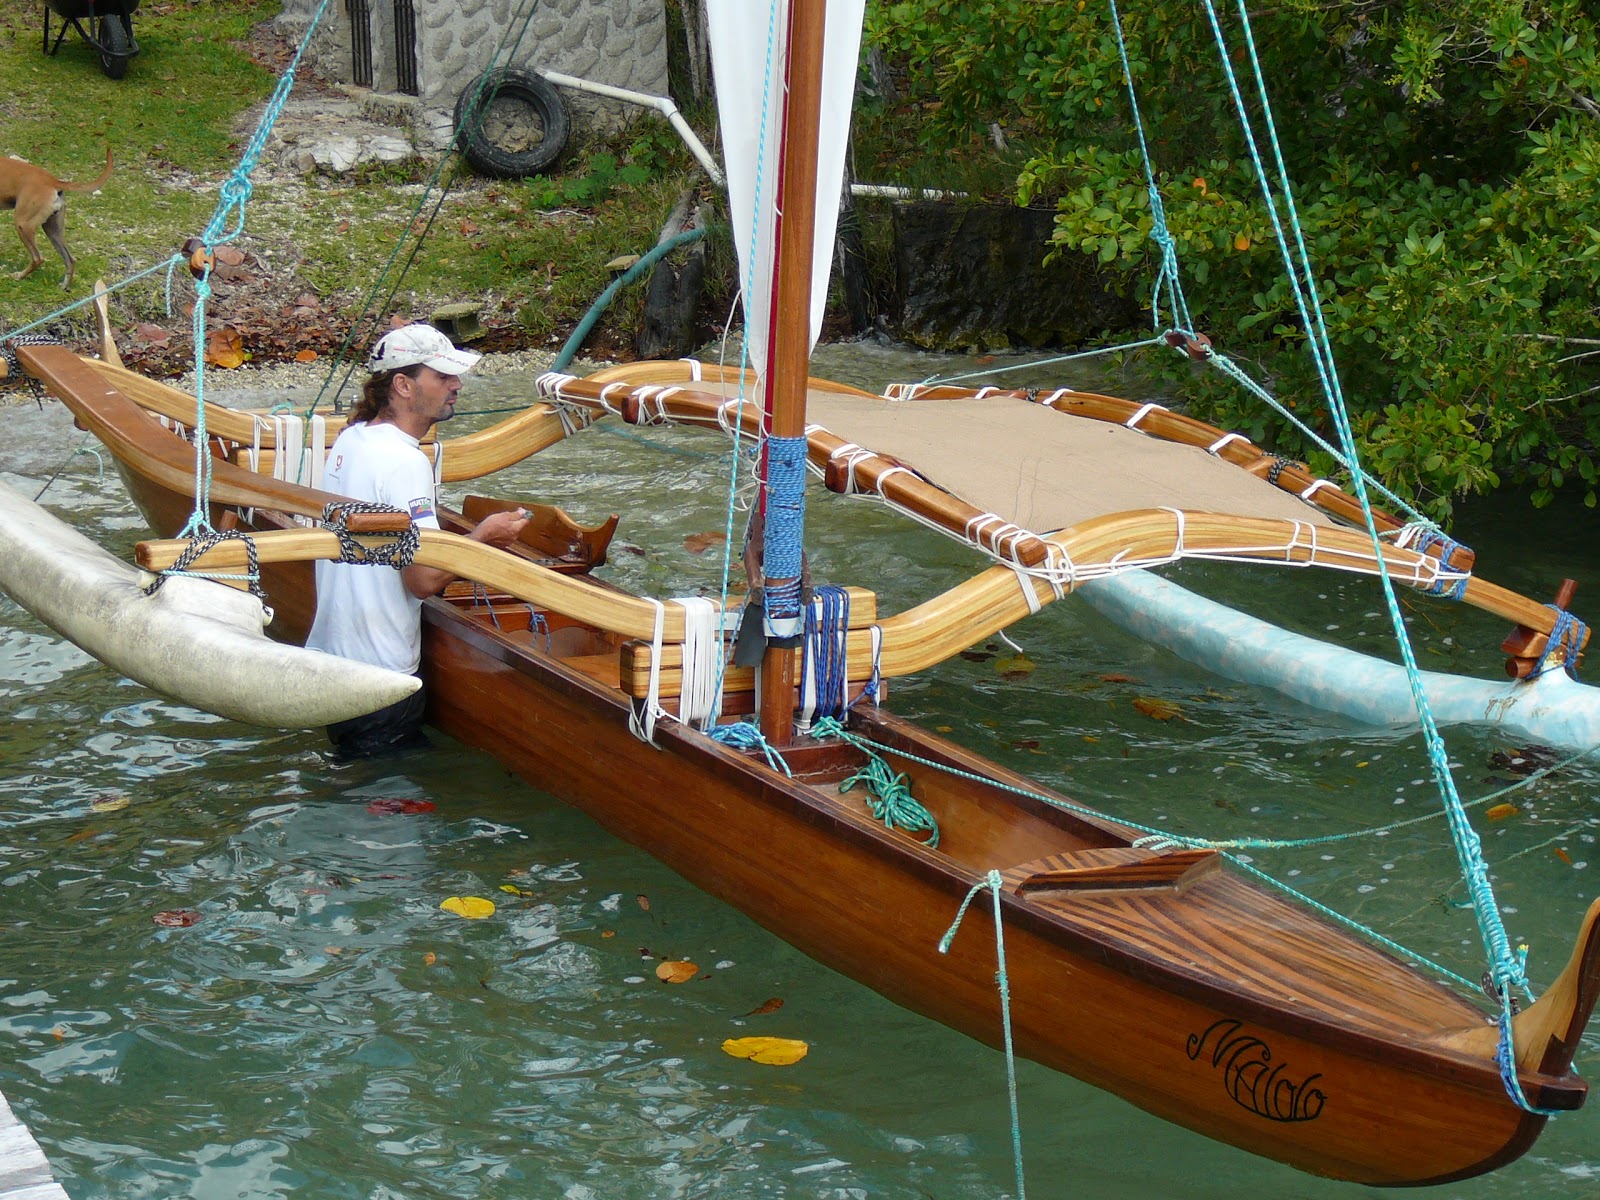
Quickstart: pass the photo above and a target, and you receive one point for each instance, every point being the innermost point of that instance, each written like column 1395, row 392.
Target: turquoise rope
column 993, row 882
column 1506, row 967
column 827, row 727
column 1167, row 275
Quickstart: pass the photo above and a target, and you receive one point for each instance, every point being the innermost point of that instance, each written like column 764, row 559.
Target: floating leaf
column 333, row 950
column 514, row 890
column 1015, row 666
column 1156, row 708
column 1563, row 856
column 429, row 959
column 176, row 918
column 384, row 808
column 107, row 804
column 676, row 972
column 768, row 1006
column 1089, row 737
column 1025, row 744
column 225, row 348
column 474, row 908
column 1115, row 678
column 769, row 1051
column 1499, row 812
column 605, row 933
column 976, row 655
column 644, row 901
column 699, row 543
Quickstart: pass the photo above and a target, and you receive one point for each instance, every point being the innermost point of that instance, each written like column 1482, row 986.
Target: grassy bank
column 532, row 252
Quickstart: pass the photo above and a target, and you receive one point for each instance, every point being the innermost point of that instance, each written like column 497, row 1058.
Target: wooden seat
column 1112, row 868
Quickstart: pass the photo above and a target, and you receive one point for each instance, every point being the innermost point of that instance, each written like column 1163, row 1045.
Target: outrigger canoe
column 1158, row 973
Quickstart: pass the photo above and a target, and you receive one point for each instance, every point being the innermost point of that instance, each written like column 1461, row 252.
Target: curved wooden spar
column 470, row 456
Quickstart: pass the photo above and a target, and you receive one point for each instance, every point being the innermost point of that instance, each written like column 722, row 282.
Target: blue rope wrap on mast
column 785, row 525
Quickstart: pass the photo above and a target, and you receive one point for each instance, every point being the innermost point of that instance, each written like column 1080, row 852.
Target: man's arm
column 497, row 529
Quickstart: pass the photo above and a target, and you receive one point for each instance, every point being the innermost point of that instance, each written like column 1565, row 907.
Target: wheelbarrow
column 112, row 22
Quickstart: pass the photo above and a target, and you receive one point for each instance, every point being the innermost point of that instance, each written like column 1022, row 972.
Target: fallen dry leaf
column 388, row 807
column 1155, row 708
column 429, row 959
column 473, row 908
column 176, row 918
column 225, row 348
column 768, row 1006
column 1499, row 812
column 1563, row 856
column 699, row 543
column 676, row 972
column 1014, row 666
column 108, row 804
column 1113, row 677
column 306, row 356
column 769, row 1051
column 644, row 901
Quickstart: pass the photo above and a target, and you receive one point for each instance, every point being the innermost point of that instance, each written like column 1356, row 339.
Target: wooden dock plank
column 24, row 1171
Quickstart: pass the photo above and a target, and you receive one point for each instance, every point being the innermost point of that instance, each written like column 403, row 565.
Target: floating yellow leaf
column 514, row 889
column 605, row 933
column 105, row 804
column 474, row 908
column 1499, row 812
column 676, row 972
column 429, row 959
column 769, row 1051
column 1155, row 708
column 1014, row 666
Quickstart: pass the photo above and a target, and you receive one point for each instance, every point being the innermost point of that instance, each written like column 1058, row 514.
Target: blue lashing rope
column 1567, row 631
column 782, row 551
column 823, row 665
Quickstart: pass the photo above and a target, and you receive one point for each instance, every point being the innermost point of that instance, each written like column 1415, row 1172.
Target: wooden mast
column 789, row 320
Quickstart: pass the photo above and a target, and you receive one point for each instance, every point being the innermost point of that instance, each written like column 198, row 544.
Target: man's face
column 435, row 394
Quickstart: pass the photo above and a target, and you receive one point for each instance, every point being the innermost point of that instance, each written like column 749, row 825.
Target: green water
column 325, row 1030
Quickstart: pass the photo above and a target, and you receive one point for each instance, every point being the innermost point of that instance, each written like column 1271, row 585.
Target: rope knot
column 397, row 552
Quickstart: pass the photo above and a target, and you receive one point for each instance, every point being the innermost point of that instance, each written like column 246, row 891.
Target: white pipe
column 668, row 109
column 889, row 192
column 661, row 104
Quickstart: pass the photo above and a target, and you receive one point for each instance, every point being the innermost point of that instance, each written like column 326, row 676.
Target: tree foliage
column 1445, row 157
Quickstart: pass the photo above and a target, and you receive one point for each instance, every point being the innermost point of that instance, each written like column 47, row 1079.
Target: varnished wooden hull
column 1280, row 1077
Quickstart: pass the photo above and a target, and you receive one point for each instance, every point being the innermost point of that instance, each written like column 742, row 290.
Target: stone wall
column 618, row 42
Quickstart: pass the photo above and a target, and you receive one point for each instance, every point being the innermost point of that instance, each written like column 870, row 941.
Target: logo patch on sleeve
column 421, row 508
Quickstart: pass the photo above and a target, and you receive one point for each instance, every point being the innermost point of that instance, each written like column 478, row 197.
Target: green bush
column 1444, row 156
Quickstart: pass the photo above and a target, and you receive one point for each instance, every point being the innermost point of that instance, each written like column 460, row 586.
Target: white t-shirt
column 365, row 612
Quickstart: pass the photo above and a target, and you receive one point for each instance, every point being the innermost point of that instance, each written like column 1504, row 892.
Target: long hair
column 375, row 393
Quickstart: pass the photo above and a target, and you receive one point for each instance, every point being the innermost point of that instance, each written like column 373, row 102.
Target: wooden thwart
column 1112, row 868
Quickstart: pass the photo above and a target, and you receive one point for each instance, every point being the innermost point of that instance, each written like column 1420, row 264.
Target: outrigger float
column 1155, row 970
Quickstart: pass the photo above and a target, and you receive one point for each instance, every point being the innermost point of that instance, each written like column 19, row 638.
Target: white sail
column 747, row 52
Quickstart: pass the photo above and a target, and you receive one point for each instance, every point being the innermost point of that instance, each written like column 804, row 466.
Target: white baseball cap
column 413, row 344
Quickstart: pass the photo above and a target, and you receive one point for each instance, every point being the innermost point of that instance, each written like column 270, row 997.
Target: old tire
column 115, row 40
column 513, row 125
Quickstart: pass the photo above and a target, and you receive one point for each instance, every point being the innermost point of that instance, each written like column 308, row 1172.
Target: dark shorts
column 390, row 730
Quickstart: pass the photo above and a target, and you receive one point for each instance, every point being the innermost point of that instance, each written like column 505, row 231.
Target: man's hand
column 501, row 528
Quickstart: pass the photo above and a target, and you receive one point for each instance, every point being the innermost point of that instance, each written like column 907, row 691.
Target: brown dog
column 38, row 200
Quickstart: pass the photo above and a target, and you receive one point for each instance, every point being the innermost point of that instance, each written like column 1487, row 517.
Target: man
column 374, row 613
